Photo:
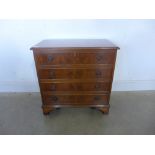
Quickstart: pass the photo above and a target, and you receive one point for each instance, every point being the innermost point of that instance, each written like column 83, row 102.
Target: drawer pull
column 96, row 98
column 97, row 86
column 52, row 74
column 53, row 88
column 54, row 98
column 50, row 58
column 98, row 73
column 98, row 57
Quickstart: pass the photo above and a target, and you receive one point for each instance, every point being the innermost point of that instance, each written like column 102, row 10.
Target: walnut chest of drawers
column 75, row 72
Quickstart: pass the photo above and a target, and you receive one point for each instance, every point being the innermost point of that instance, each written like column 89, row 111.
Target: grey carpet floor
column 130, row 113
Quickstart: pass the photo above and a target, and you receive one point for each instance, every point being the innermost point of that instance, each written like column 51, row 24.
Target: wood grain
column 75, row 73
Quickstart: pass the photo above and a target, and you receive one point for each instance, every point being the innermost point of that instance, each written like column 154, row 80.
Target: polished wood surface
column 75, row 73
column 74, row 56
column 75, row 43
column 76, row 86
column 75, row 99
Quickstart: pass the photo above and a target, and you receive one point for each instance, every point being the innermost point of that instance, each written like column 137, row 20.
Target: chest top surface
column 75, row 43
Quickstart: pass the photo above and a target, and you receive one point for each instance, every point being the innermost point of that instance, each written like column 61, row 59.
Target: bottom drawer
column 76, row 99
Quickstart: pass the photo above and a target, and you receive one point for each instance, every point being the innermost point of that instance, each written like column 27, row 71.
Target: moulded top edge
column 76, row 43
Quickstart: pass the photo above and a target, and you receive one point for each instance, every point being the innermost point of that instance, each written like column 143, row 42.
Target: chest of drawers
column 75, row 73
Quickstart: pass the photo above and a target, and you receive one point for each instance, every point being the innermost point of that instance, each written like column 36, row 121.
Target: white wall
column 135, row 66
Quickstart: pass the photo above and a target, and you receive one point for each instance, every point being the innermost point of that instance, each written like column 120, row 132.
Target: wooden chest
column 75, row 73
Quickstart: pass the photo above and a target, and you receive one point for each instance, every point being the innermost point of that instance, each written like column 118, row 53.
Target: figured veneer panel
column 78, row 86
column 76, row 99
column 75, row 72
column 78, row 56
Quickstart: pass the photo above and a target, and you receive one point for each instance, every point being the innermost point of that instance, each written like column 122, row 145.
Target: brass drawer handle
column 52, row 74
column 98, row 73
column 50, row 58
column 98, row 57
column 97, row 86
column 53, row 88
column 97, row 98
column 54, row 98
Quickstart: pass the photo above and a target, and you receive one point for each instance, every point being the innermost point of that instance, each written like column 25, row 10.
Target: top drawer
column 74, row 56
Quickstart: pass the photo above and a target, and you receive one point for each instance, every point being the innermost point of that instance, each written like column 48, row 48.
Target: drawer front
column 68, row 56
column 105, row 57
column 105, row 73
column 76, row 99
column 98, row 86
column 47, row 58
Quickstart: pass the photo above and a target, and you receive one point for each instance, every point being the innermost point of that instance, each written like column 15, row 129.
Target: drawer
column 75, row 56
column 96, row 57
column 105, row 73
column 48, row 58
column 76, row 99
column 69, row 86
